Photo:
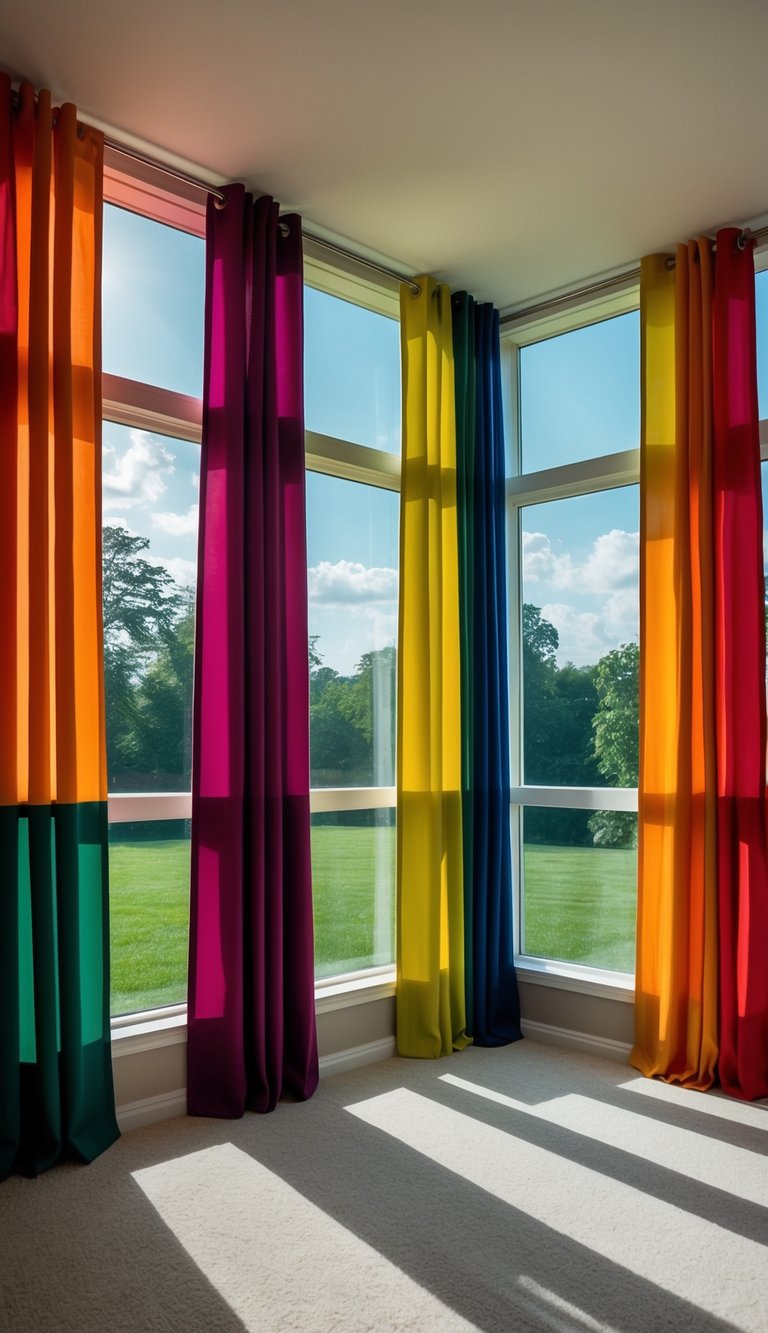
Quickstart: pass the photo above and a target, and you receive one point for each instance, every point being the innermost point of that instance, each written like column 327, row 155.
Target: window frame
column 162, row 411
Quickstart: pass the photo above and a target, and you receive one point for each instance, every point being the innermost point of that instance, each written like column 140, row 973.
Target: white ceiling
column 510, row 146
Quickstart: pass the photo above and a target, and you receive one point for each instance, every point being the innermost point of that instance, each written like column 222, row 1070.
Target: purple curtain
column 252, row 1034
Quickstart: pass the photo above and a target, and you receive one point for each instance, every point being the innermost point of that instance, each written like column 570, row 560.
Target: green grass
column 580, row 907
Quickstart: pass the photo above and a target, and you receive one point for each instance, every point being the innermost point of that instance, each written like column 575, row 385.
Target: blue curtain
column 493, row 1005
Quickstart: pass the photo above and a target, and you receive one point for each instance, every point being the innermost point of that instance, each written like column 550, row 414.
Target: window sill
column 581, row 980
column 132, row 1033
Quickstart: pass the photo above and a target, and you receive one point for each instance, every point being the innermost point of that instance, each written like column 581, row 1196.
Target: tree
column 616, row 733
column 141, row 608
column 558, row 706
column 163, row 713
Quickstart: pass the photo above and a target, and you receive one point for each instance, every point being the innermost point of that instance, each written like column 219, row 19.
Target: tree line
column 580, row 723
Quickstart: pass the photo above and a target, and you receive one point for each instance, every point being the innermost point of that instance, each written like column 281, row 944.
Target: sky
column 579, row 398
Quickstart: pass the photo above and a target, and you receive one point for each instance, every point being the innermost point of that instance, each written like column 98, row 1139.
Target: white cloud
column 348, row 582
column 137, row 475
column 184, row 572
column 178, row 525
column 542, row 564
column 613, row 562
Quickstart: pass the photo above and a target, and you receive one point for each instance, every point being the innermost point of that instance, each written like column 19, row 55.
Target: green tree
column 558, row 706
column 616, row 734
column 141, row 607
column 163, row 717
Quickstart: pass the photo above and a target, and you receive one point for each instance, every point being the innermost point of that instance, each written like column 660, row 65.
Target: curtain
column 56, row 1096
column 701, row 997
column 252, row 1035
column 431, row 1018
column 493, row 1006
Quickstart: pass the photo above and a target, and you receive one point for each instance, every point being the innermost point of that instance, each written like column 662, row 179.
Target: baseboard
column 355, row 1056
column 164, row 1106
column 606, row 1047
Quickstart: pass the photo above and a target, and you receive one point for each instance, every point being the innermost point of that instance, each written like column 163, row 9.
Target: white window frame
column 529, row 488
column 163, row 411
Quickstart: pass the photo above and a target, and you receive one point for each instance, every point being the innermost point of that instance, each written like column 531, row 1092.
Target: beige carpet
column 518, row 1189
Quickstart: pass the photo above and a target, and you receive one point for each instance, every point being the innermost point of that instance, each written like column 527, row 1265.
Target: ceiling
column 513, row 147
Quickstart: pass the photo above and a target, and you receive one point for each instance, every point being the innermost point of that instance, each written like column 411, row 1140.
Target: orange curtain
column 676, row 1007
column 51, row 667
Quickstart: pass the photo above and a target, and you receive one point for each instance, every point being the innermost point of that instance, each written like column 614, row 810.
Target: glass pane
column 580, row 394
column 153, row 299
column 352, row 550
column 353, row 879
column 149, row 541
column 580, row 886
column 149, row 913
column 351, row 372
column 580, row 649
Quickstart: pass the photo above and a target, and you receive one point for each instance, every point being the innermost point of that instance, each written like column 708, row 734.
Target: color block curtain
column 251, row 1019
column 456, row 976
column 56, row 1097
column 702, row 983
column 493, row 1006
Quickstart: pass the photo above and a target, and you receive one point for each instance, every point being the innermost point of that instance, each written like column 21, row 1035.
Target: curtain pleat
column 431, row 1018
column 742, row 823
column 493, row 1007
column 56, row 1095
column 252, row 1035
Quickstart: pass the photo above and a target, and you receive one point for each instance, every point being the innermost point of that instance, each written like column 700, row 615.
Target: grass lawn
column 580, row 906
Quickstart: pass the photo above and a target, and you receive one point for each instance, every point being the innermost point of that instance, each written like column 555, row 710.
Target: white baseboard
column 355, row 1056
column 132, row 1115
column 606, row 1047
column 164, row 1106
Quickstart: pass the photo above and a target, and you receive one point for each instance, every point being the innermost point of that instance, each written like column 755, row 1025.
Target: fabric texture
column 493, row 1006
column 56, row 1095
column 701, row 1004
column 252, row 1036
column 431, row 1019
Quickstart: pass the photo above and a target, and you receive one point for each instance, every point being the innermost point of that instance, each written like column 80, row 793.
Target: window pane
column 352, row 550
column 149, row 913
column 149, row 540
column 353, row 879
column 580, row 650
column 351, row 372
column 580, row 886
column 153, row 298
column 580, row 394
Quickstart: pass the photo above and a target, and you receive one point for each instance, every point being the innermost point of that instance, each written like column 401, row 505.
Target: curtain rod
column 527, row 312
column 196, row 183
column 607, row 284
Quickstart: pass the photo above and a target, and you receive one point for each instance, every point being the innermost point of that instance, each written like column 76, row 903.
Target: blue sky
column 579, row 398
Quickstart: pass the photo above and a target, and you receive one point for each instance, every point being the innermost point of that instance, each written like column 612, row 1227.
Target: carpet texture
column 523, row 1188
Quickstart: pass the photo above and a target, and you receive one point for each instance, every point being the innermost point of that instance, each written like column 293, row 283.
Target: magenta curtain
column 742, row 819
column 252, row 1036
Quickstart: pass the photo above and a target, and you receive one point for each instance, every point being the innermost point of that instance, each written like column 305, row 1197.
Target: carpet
column 525, row 1188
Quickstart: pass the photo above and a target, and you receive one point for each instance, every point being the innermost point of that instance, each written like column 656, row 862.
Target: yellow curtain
column 676, row 985
column 431, row 1017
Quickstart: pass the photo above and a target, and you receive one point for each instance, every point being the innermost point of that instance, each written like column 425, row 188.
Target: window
column 153, row 316
column 153, row 294
column 352, row 375
column 574, row 528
